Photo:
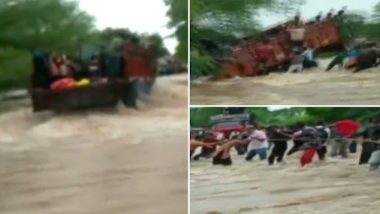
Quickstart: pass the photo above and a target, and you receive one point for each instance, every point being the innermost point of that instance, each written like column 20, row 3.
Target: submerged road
column 96, row 162
column 336, row 186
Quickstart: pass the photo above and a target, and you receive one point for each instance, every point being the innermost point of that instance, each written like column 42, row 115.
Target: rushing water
column 116, row 161
column 312, row 87
column 337, row 186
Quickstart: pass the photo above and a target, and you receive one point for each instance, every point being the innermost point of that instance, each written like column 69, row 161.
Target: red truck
column 321, row 35
column 225, row 125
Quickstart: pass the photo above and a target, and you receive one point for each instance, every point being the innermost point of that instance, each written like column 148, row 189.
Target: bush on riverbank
column 15, row 69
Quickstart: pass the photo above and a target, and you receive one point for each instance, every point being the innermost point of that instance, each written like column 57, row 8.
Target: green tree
column 50, row 24
column 178, row 11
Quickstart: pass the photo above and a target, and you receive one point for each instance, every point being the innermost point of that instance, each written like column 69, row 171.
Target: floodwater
column 311, row 87
column 336, row 186
column 98, row 161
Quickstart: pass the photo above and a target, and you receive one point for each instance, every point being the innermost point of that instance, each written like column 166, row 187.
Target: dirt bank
column 335, row 186
column 117, row 161
column 312, row 87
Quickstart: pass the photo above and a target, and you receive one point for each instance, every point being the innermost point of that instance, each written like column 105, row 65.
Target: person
column 59, row 67
column 338, row 60
column 297, row 62
column 222, row 154
column 258, row 144
column 298, row 142
column 343, row 130
column 296, row 30
column 94, row 67
column 311, row 145
column 41, row 76
column 352, row 55
column 374, row 161
column 194, row 144
column 210, row 141
column 308, row 58
column 279, row 139
column 367, row 145
column 265, row 53
column 324, row 134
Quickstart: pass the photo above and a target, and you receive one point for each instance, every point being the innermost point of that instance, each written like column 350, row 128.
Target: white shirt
column 257, row 140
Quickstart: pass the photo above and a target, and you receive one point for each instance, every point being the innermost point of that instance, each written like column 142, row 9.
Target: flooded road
column 335, row 186
column 312, row 87
column 116, row 161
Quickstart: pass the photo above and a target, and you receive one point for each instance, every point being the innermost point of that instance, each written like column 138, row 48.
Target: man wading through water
column 343, row 130
column 279, row 139
column 312, row 143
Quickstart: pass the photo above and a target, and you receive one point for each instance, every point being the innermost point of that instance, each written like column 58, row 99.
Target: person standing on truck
column 258, row 144
column 308, row 58
column 265, row 54
column 343, row 130
column 296, row 29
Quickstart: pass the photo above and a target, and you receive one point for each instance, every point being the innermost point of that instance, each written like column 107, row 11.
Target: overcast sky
column 312, row 7
column 142, row 16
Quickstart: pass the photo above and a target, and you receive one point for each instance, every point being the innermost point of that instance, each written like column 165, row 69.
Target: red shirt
column 347, row 127
column 264, row 52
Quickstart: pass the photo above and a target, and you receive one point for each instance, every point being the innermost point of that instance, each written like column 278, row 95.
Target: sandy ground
column 312, row 87
column 121, row 161
column 337, row 186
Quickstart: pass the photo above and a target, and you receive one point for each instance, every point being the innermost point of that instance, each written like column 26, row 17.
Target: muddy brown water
column 312, row 87
column 116, row 161
column 335, row 186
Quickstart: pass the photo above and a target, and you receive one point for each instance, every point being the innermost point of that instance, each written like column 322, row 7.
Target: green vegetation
column 199, row 117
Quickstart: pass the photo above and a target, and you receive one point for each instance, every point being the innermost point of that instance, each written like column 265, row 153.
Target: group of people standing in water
column 308, row 139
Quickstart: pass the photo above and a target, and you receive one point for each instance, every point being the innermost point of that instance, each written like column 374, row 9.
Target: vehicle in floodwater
column 133, row 64
column 227, row 125
column 318, row 34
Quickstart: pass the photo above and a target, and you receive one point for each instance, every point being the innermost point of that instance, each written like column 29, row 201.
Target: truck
column 319, row 34
column 119, row 87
